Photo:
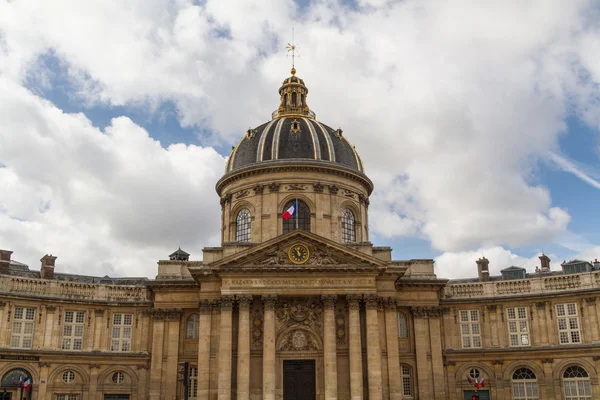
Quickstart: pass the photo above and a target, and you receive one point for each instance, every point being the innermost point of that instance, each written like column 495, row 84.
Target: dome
column 293, row 134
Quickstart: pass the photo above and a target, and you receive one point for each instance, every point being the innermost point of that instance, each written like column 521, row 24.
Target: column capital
column 43, row 364
column 269, row 301
column 206, row 305
column 419, row 312
column 244, row 301
column 226, row 302
column 173, row 314
column 329, row 300
column 390, row 303
column 372, row 301
column 353, row 301
column 99, row 312
column 590, row 300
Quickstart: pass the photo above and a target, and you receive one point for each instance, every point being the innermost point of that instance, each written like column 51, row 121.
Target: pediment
column 322, row 253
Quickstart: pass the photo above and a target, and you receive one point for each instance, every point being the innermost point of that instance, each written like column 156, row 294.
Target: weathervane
column 292, row 47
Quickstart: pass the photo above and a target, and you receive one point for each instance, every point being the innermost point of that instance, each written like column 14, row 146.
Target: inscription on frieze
column 312, row 282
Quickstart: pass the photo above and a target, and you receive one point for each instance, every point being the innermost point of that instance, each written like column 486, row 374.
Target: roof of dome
column 293, row 134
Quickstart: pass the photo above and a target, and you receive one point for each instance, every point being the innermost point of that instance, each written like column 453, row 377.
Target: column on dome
column 225, row 348
column 243, row 350
column 329, row 346
column 393, row 355
column 355, row 350
column 205, row 308
column 373, row 348
column 269, row 370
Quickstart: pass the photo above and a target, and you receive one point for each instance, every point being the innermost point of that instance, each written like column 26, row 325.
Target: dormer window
column 295, row 126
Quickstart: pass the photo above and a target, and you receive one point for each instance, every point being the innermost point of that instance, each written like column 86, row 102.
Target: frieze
column 348, row 193
column 419, row 312
column 94, row 366
column 299, row 312
column 318, row 187
column 50, row 308
column 298, row 340
column 390, row 303
column 173, row 314
column 547, row 360
column 274, row 187
column 242, row 193
column 492, row 308
column 540, row 304
column 364, row 200
column 226, row 199
column 296, row 187
column 497, row 362
column 296, row 282
column 258, row 188
column 143, row 366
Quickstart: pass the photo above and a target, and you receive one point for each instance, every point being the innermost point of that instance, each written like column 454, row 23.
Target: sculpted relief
column 300, row 312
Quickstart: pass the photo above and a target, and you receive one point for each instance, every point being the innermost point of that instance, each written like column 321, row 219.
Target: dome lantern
column 293, row 93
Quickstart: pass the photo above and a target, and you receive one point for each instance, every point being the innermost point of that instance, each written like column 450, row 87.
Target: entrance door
column 483, row 394
column 5, row 395
column 299, row 380
column 116, row 397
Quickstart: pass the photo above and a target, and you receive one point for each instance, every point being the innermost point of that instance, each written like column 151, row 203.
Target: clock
column 298, row 253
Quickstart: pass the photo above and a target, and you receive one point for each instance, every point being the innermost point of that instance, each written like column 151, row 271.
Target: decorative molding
column 173, row 314
column 540, row 304
column 2, row 305
column 435, row 312
column 143, row 366
column 590, row 300
column 226, row 199
column 293, row 186
column 348, row 193
column 321, row 257
column 364, row 199
column 372, row 301
column 242, row 193
column 492, row 308
column 99, row 312
column 298, row 340
column 94, row 366
column 318, row 187
column 43, row 364
column 547, row 360
column 206, row 305
column 299, row 312
column 269, row 301
column 244, row 301
column 340, row 325
column 419, row 312
column 353, row 301
column 275, row 256
column 329, row 300
column 257, row 328
column 449, row 363
column 50, row 308
column 390, row 303
column 334, row 189
column 497, row 362
column 258, row 188
column 146, row 313
column 595, row 358
column 226, row 302
column 274, row 187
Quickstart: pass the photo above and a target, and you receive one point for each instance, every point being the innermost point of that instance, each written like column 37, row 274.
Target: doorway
column 299, row 380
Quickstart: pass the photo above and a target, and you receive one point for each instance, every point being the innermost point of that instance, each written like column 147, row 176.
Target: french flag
column 290, row 212
column 482, row 383
column 27, row 383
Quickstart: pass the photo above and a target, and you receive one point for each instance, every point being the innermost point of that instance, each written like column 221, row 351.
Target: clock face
column 298, row 253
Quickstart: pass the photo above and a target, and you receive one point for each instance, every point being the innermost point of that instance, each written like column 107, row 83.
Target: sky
column 478, row 122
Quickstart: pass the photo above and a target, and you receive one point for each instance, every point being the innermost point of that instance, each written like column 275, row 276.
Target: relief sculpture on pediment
column 275, row 256
column 299, row 312
column 321, row 257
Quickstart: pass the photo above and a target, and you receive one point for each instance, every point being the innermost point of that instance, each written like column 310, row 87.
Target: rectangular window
column 518, row 326
column 121, row 332
column 568, row 323
column 63, row 396
column 73, row 330
column 22, row 330
column 470, row 328
column 193, row 384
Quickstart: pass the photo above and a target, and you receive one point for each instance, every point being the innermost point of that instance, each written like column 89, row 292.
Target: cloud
column 570, row 167
column 451, row 105
column 110, row 201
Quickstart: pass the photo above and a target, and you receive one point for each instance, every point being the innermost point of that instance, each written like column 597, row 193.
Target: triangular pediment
column 321, row 252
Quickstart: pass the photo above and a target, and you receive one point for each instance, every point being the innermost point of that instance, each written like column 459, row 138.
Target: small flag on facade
column 290, row 212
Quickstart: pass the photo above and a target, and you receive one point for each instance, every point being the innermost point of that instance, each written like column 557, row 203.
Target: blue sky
column 481, row 139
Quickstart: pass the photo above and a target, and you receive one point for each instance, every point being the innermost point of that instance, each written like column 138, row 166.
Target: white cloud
column 570, row 167
column 103, row 202
column 451, row 104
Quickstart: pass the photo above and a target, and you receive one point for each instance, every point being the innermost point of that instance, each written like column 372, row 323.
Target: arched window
column 243, row 225
column 402, row 325
column 294, row 96
column 192, row 327
column 348, row 226
column 576, row 384
column 407, row 387
column 524, row 385
column 301, row 220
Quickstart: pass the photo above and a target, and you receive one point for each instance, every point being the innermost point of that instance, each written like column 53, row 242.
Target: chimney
column 4, row 261
column 47, row 269
column 545, row 260
column 596, row 264
column 483, row 269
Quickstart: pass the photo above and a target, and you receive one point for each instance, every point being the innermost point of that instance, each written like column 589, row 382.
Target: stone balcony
column 538, row 285
column 45, row 288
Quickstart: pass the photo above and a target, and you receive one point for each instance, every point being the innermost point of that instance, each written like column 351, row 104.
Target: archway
column 16, row 383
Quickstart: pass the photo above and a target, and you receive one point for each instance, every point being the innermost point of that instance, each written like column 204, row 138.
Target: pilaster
column 243, row 350
column 205, row 308
column 173, row 322
column 422, row 335
column 373, row 349
column 393, row 356
column 437, row 361
column 225, row 348
column 44, row 373
column 355, row 351
column 593, row 320
column 329, row 347
column 269, row 373
column 158, row 335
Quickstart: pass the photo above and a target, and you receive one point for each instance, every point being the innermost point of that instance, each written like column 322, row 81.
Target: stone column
column 94, row 369
column 329, row 346
column 593, row 320
column 44, row 372
column 158, row 336
column 373, row 349
column 355, row 351
column 243, row 351
column 225, row 348
column 550, row 391
column 173, row 317
column 437, row 360
column 500, row 384
column 142, row 377
column 393, row 356
column 269, row 375
column 421, row 335
column 206, row 307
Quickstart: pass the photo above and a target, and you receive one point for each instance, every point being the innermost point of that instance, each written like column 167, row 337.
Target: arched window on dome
column 192, row 327
column 302, row 216
column 348, row 226
column 243, row 225
column 294, row 97
column 576, row 384
column 524, row 385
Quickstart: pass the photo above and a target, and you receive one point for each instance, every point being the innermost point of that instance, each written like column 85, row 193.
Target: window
column 66, row 397
column 193, row 384
column 73, row 330
column 118, row 378
column 402, row 326
column 348, row 227
column 121, row 332
column 301, row 219
column 518, row 329
column 192, row 327
column 407, row 389
column 470, row 328
column 22, row 332
column 524, row 385
column 568, row 323
column 474, row 373
column 68, row 377
column 576, row 384
column 243, row 225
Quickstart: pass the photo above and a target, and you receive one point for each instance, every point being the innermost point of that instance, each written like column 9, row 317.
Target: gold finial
column 292, row 47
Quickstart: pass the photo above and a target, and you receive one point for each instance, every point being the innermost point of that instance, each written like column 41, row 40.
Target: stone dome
column 293, row 134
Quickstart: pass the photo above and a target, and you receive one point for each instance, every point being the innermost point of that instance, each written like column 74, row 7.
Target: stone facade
column 321, row 300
